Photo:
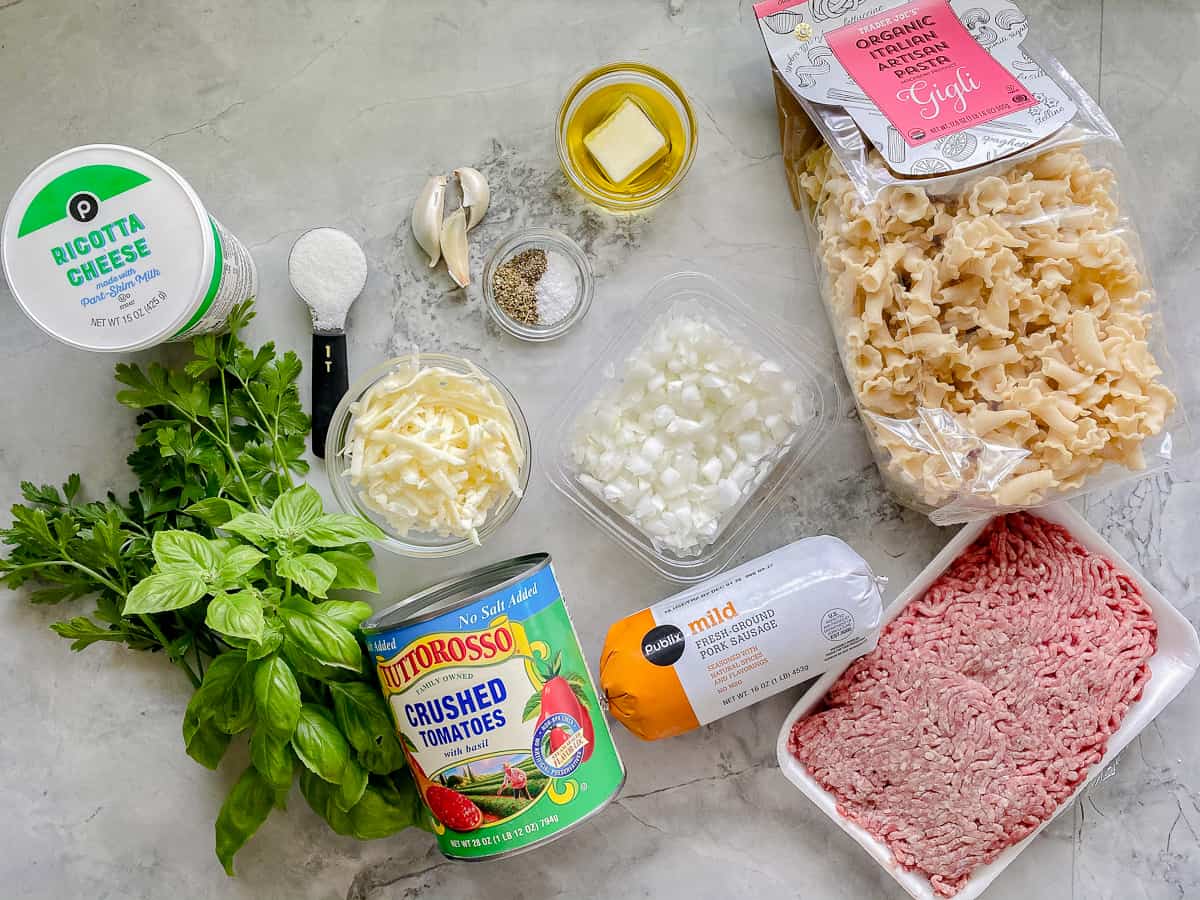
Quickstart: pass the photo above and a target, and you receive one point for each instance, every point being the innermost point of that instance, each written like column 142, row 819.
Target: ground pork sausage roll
column 740, row 637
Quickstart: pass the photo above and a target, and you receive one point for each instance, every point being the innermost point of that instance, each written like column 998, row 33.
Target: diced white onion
column 691, row 426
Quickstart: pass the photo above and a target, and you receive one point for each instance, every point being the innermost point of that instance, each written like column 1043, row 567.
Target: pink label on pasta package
column 925, row 72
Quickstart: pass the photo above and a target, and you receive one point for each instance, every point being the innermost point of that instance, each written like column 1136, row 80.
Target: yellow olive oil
column 602, row 103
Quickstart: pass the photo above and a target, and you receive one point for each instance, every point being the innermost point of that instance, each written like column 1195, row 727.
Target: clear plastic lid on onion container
column 683, row 434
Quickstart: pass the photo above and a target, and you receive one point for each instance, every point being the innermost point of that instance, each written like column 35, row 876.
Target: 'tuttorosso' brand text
column 448, row 649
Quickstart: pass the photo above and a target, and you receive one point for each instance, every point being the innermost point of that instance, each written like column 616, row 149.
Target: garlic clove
column 427, row 217
column 477, row 196
column 454, row 247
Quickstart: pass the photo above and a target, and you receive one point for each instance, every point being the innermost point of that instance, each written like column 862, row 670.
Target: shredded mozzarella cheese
column 434, row 450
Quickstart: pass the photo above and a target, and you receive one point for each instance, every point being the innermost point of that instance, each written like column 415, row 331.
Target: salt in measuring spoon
column 328, row 270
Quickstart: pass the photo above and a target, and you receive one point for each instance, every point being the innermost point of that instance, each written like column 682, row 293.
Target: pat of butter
column 625, row 143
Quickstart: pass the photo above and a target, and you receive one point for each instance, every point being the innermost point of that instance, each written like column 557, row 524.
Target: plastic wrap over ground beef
column 986, row 701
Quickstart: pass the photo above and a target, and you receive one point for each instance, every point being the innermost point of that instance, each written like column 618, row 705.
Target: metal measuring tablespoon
column 328, row 271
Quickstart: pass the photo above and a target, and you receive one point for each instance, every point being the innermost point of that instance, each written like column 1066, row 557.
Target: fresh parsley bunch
column 224, row 564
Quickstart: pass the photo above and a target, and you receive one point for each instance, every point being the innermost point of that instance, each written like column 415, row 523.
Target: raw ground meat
column 986, row 701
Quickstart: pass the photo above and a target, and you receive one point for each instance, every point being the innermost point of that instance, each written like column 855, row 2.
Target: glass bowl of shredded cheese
column 433, row 449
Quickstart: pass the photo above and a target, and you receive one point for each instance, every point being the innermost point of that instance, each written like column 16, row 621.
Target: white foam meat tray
column 1172, row 666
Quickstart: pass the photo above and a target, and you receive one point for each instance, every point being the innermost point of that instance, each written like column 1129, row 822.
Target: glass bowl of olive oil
column 626, row 136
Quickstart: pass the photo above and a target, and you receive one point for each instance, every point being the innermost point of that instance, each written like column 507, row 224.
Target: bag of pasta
column 992, row 307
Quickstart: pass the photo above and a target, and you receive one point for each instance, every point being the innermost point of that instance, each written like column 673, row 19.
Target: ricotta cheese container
column 107, row 248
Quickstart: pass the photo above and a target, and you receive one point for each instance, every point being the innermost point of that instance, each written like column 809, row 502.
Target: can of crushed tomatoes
column 496, row 709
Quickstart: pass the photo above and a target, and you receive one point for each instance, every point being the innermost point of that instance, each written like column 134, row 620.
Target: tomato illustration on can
column 564, row 696
column 496, row 709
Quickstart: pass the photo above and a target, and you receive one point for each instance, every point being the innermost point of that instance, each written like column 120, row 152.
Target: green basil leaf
column 228, row 691
column 384, row 759
column 164, row 591
column 362, row 551
column 273, row 758
column 195, row 714
column 224, row 544
column 237, row 711
column 217, row 709
column 319, row 744
column 304, row 663
column 215, row 511
column 363, row 716
column 322, row 797
column 353, row 573
column 296, row 511
column 254, row 527
column 341, row 529
column 220, row 674
column 244, row 810
column 309, row 571
column 237, row 562
column 239, row 614
column 184, row 551
column 347, row 613
column 276, row 697
column 384, row 810
column 381, row 811
column 354, row 783
column 205, row 742
column 270, row 642
column 322, row 638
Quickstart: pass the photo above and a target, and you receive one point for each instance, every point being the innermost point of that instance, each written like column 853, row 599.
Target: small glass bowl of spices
column 537, row 284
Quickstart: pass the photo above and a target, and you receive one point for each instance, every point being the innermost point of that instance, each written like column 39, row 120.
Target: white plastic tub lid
column 107, row 248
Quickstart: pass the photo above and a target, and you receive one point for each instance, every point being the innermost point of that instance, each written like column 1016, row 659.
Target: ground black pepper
column 514, row 285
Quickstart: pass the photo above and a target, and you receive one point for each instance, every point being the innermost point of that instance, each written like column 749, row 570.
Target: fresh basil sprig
column 223, row 563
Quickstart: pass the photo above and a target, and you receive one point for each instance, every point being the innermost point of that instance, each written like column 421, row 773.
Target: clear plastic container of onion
column 688, row 427
column 398, row 511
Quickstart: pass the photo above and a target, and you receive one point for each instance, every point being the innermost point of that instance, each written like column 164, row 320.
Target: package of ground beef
column 1010, row 673
column 977, row 259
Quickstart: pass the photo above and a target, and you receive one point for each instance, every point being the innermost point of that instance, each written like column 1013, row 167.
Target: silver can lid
column 455, row 592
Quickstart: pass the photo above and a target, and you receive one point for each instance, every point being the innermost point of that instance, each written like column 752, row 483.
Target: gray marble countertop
column 285, row 114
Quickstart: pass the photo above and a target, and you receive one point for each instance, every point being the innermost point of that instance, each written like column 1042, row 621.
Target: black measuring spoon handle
column 330, row 381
